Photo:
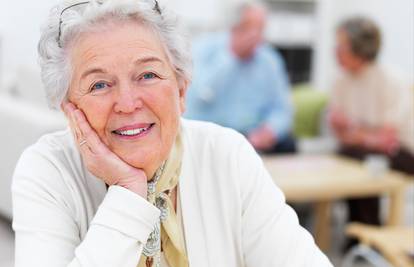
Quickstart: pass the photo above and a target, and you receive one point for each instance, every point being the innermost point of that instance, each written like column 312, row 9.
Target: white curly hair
column 70, row 18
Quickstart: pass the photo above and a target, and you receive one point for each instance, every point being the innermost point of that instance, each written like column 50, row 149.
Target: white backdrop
column 20, row 22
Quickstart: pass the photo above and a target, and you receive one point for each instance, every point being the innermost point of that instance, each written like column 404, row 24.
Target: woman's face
column 346, row 58
column 128, row 90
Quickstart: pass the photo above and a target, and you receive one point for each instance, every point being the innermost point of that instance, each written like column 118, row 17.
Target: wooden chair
column 382, row 245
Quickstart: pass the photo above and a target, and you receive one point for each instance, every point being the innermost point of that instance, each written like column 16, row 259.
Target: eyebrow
column 147, row 59
column 139, row 61
column 91, row 71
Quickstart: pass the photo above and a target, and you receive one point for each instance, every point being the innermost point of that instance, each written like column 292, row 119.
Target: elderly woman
column 130, row 183
column 370, row 105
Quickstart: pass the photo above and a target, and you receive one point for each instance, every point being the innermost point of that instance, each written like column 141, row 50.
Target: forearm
column 280, row 121
column 351, row 136
column 118, row 231
column 280, row 117
column 115, row 236
column 381, row 139
column 208, row 77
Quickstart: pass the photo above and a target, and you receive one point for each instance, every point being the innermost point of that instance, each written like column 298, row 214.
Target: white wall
column 20, row 23
column 21, row 20
column 201, row 15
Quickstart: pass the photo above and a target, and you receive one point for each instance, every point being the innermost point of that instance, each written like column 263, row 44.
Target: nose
column 128, row 99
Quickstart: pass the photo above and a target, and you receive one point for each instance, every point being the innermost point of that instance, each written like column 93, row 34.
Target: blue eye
column 99, row 86
column 148, row 76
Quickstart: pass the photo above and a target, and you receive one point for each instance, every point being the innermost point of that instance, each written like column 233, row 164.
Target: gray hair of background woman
column 61, row 29
column 364, row 37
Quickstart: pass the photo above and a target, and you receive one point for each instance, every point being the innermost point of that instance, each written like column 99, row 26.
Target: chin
column 145, row 159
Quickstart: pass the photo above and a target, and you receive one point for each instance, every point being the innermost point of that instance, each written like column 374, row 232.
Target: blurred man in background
column 241, row 83
column 371, row 110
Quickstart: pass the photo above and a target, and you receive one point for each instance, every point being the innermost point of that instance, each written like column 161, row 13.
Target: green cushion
column 308, row 104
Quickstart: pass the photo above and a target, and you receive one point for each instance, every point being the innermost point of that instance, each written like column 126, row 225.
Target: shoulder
column 209, row 43
column 211, row 146
column 210, row 50
column 221, row 158
column 56, row 147
column 269, row 55
column 210, row 135
column 211, row 39
column 48, row 164
column 391, row 76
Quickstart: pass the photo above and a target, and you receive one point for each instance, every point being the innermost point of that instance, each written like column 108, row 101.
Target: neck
column 359, row 69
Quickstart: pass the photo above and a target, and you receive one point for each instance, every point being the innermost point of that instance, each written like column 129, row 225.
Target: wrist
column 136, row 184
column 137, row 188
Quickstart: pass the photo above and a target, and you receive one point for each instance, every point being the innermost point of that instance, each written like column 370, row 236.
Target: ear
column 182, row 91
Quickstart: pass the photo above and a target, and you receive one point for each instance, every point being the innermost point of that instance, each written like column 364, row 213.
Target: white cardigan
column 233, row 213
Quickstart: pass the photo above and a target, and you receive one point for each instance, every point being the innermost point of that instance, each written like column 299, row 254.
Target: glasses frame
column 156, row 9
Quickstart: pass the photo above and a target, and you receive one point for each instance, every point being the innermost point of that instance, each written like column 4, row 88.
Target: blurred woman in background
column 371, row 109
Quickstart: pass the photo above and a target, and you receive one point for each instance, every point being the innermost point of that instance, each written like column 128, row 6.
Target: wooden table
column 321, row 179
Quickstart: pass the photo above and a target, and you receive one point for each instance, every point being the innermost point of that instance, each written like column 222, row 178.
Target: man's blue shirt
column 242, row 95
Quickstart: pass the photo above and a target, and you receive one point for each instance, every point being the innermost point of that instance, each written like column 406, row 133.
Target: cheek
column 165, row 104
column 97, row 114
column 344, row 58
column 340, row 57
column 175, row 104
column 166, row 101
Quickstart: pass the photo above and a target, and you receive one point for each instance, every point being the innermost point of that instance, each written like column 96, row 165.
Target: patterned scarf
column 167, row 232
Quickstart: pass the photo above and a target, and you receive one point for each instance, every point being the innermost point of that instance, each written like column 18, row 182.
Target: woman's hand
column 97, row 157
column 384, row 140
column 338, row 121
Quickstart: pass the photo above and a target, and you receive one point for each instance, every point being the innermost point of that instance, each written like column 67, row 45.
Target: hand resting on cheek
column 98, row 159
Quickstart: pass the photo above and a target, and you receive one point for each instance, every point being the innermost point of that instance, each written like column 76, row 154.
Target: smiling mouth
column 133, row 132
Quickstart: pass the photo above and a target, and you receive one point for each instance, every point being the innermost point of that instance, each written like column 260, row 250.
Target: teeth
column 132, row 131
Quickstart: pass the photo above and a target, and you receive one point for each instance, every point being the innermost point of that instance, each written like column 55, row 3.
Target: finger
column 69, row 110
column 89, row 134
column 75, row 128
column 64, row 103
column 78, row 133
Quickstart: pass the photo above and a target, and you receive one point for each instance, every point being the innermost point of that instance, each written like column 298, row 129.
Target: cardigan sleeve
column 47, row 232
column 271, row 233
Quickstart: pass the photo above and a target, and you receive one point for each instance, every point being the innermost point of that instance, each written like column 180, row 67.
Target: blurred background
column 304, row 33
column 303, row 29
